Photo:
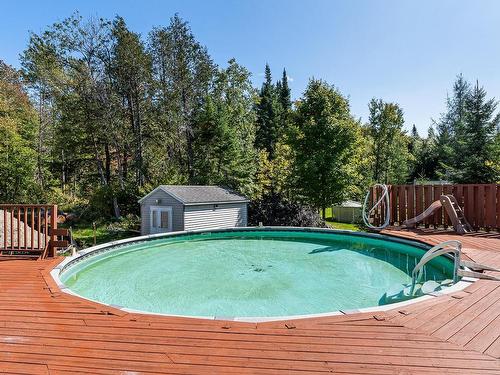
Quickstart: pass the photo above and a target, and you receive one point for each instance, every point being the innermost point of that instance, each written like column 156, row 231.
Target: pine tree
column 223, row 149
column 414, row 146
column 284, row 93
column 414, row 140
column 426, row 158
column 451, row 131
column 285, row 106
column 267, row 116
column 466, row 131
column 478, row 140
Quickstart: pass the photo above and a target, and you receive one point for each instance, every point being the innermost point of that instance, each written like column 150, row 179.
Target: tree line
column 98, row 115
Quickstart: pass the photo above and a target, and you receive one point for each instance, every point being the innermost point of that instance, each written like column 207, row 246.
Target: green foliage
column 275, row 210
column 325, row 145
column 130, row 70
column 17, row 140
column 223, row 144
column 182, row 74
column 268, row 112
column 425, row 158
column 275, row 176
column 479, row 162
column 495, row 155
column 389, row 144
column 466, row 136
column 117, row 114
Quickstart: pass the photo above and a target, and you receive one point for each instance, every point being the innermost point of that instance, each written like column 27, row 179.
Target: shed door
column 160, row 219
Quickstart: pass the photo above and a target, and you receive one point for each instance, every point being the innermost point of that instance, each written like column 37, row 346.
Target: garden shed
column 171, row 208
column 347, row 212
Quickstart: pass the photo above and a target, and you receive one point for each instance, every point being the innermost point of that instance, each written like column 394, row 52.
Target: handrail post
column 53, row 226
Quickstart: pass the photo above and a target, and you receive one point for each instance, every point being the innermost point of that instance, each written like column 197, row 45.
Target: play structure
column 452, row 209
column 382, row 205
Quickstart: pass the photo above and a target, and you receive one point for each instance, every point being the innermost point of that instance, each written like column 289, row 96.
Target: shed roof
column 195, row 194
column 349, row 203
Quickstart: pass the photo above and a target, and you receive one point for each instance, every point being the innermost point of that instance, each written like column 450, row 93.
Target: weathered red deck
column 44, row 331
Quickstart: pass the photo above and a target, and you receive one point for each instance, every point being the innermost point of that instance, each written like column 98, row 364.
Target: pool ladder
column 454, row 247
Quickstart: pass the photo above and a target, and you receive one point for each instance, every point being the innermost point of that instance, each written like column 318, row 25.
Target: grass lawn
column 336, row 225
column 83, row 234
column 343, row 226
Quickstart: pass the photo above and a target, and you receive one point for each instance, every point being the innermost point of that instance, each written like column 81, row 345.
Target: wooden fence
column 29, row 231
column 480, row 202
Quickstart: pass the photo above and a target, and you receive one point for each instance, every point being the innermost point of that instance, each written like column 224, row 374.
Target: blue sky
column 403, row 51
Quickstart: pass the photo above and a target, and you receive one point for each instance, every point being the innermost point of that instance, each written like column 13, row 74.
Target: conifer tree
column 451, row 130
column 223, row 149
column 285, row 106
column 478, row 140
column 466, row 132
column 267, row 116
column 426, row 158
column 284, row 93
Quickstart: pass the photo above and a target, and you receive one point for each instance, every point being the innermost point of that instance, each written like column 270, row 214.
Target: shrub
column 275, row 210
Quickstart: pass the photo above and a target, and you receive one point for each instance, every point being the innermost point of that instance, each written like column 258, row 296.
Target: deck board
column 44, row 331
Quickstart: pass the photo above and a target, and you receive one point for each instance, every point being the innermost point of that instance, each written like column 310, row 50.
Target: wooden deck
column 44, row 331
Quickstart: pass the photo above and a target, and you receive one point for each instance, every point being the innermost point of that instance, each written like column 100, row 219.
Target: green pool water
column 250, row 274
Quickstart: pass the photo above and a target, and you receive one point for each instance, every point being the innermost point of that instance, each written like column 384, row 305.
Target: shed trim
column 214, row 202
column 160, row 187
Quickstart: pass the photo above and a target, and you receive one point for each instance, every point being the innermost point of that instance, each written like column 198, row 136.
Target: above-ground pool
column 249, row 273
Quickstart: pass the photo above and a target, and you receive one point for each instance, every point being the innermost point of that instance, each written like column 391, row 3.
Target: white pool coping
column 83, row 254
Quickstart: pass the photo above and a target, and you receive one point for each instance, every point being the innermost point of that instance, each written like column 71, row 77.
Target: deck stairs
column 456, row 214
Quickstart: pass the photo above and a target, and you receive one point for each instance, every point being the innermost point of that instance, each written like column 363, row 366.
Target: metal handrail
column 451, row 246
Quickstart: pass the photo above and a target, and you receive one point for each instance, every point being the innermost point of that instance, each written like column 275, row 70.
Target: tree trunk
column 40, row 141
column 63, row 172
column 116, row 208
column 107, row 162
column 140, row 167
column 99, row 163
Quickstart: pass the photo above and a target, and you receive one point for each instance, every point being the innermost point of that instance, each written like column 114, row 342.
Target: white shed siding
column 347, row 214
column 207, row 216
column 166, row 200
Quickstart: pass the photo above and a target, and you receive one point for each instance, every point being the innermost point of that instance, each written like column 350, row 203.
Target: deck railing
column 28, row 230
column 480, row 202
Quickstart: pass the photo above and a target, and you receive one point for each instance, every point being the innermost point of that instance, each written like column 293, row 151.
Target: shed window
column 154, row 218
